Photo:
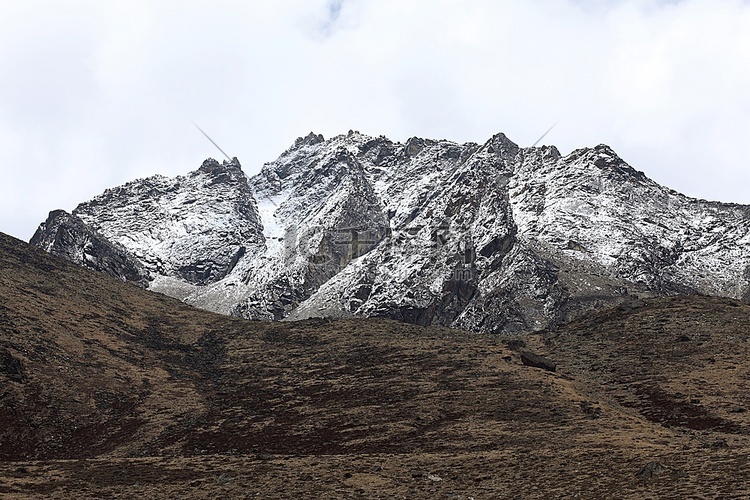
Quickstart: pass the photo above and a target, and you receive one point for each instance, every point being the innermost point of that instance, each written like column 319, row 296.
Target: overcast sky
column 94, row 94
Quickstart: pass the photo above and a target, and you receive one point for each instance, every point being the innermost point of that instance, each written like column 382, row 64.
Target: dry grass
column 129, row 394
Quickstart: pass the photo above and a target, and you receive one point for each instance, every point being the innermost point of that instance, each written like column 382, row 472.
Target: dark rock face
column 486, row 237
column 12, row 367
column 66, row 236
column 650, row 470
column 537, row 361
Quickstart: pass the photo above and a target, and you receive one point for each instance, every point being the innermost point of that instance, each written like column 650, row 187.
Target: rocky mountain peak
column 491, row 237
column 500, row 145
column 67, row 236
column 210, row 165
column 310, row 139
column 185, row 231
column 607, row 162
column 225, row 172
column 413, row 146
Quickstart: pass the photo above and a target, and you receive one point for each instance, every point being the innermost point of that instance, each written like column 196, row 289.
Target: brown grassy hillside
column 108, row 390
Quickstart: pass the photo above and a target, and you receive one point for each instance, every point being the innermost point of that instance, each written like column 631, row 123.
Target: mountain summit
column 487, row 237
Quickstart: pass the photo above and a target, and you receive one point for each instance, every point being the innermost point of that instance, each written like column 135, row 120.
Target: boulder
column 537, row 361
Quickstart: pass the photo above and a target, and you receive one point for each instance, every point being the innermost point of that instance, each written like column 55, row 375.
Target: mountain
column 109, row 390
column 488, row 238
column 67, row 236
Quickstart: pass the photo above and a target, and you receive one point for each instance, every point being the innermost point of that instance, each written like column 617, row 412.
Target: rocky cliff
column 488, row 237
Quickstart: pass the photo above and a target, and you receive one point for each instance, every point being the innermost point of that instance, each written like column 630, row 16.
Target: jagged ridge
column 490, row 237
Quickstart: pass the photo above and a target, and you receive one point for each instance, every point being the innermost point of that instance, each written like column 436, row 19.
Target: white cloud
column 93, row 94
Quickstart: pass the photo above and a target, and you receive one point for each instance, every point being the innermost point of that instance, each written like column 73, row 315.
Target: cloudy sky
column 94, row 94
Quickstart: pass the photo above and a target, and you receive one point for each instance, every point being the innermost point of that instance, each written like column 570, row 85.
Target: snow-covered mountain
column 491, row 237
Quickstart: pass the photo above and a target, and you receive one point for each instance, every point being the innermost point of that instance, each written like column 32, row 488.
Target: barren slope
column 109, row 390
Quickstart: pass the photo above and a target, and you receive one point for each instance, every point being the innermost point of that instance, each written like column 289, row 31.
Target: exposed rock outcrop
column 67, row 236
column 487, row 237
